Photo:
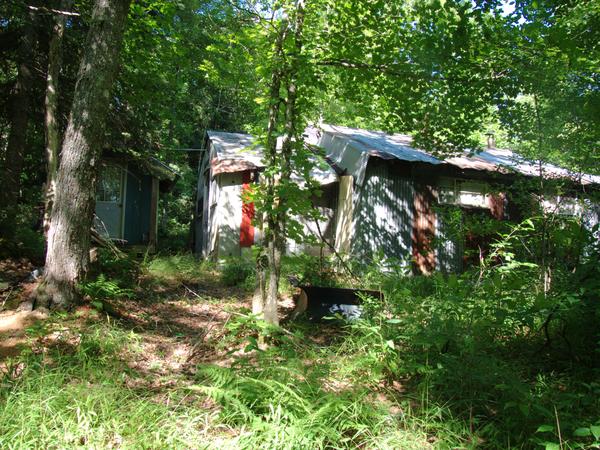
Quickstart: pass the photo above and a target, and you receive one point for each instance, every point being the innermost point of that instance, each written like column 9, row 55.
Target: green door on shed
column 109, row 202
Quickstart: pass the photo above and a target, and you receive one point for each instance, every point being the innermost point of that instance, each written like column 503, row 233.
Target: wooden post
column 153, row 214
column 344, row 215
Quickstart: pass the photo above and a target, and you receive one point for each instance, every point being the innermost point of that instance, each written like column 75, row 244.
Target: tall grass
column 295, row 394
column 443, row 362
column 173, row 269
column 77, row 395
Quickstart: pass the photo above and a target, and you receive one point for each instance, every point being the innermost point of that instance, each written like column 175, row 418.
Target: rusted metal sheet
column 238, row 152
column 496, row 205
column 424, row 228
column 246, row 228
column 220, row 166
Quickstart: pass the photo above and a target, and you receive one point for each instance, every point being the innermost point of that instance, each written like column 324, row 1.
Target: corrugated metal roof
column 236, row 152
column 350, row 148
column 380, row 144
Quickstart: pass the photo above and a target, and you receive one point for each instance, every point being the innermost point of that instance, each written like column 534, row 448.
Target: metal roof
column 237, row 152
column 350, row 148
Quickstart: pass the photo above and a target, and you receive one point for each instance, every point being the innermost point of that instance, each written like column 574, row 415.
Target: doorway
column 109, row 202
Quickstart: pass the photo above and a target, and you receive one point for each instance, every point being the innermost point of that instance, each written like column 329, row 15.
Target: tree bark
column 277, row 220
column 260, row 293
column 67, row 257
column 51, row 113
column 10, row 176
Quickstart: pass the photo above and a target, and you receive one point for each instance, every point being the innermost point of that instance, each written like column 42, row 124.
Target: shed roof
column 147, row 164
column 351, row 148
column 235, row 152
column 159, row 169
column 238, row 152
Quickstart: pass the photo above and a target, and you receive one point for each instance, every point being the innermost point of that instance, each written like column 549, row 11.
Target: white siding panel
column 229, row 214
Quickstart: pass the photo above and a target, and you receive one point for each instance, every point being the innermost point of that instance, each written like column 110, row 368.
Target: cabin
column 395, row 199
column 224, row 223
column 382, row 197
column 127, row 196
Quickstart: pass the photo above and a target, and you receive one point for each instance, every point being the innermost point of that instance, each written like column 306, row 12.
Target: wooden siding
column 424, row 229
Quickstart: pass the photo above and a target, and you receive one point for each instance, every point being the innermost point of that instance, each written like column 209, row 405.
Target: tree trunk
column 10, row 177
column 260, row 293
column 277, row 220
column 51, row 116
column 67, row 257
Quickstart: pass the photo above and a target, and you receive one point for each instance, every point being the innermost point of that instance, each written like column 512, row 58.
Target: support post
column 344, row 215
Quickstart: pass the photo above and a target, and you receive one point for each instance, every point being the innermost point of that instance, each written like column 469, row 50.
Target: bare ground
column 178, row 324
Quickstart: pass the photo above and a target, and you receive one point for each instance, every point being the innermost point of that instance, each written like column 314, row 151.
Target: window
column 110, row 184
column 463, row 193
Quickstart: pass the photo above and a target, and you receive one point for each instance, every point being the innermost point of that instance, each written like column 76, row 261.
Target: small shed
column 224, row 224
column 391, row 195
column 127, row 196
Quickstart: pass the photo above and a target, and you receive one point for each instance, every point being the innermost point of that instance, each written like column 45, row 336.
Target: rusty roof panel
column 386, row 146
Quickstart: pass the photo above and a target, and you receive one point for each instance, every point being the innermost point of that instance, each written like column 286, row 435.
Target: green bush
column 174, row 237
column 292, row 395
column 123, row 270
column 496, row 350
column 102, row 289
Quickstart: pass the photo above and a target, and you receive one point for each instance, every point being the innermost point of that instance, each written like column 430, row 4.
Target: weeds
column 238, row 272
column 176, row 269
column 76, row 394
column 479, row 360
column 283, row 402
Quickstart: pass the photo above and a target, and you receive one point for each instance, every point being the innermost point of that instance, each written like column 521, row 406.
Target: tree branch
column 410, row 72
column 53, row 11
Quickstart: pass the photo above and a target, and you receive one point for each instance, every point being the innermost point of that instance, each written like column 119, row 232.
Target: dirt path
column 14, row 289
column 178, row 330
column 178, row 324
column 13, row 325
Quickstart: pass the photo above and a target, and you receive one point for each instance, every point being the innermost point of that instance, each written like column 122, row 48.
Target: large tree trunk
column 67, row 257
column 10, row 176
column 51, row 116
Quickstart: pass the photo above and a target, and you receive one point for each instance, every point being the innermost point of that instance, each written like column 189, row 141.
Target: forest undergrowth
column 165, row 355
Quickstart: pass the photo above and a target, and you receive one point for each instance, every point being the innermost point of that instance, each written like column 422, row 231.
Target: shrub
column 102, row 289
column 121, row 270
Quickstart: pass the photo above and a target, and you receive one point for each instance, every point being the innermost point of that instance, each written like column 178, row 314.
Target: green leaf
column 551, row 446
column 582, row 432
column 544, row 429
column 253, row 345
column 595, row 429
column 524, row 408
